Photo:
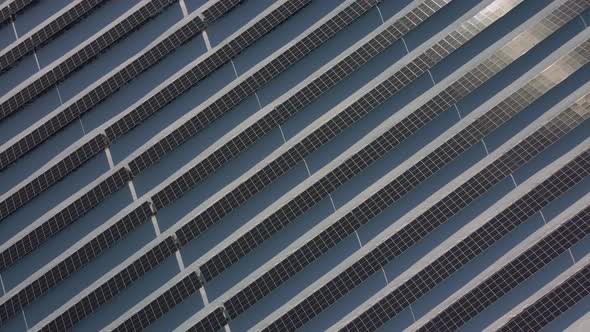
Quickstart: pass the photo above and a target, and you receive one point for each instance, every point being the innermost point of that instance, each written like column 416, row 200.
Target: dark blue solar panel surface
column 294, row 165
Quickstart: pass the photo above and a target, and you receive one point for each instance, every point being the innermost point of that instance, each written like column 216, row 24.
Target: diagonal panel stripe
column 73, row 60
column 46, row 31
column 69, row 310
column 93, row 300
column 467, row 247
column 107, row 85
column 303, row 200
column 554, row 303
column 19, row 196
column 253, row 80
column 10, row 258
column 512, row 274
column 223, row 54
column 325, row 129
column 277, row 15
column 427, row 222
column 11, row 7
column 11, row 306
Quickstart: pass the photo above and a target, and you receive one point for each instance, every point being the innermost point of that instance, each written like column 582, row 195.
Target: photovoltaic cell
column 88, row 303
column 250, row 85
column 111, row 82
column 355, row 164
column 12, row 7
column 512, row 274
column 41, row 35
column 549, row 307
column 466, row 250
column 49, row 76
column 219, row 9
column 416, row 174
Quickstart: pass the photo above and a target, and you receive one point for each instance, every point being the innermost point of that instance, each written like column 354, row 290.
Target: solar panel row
column 432, row 218
column 328, row 127
column 560, row 299
column 242, row 299
column 73, row 60
column 92, row 300
column 202, row 69
column 29, row 190
column 216, row 257
column 181, row 241
column 156, row 309
column 513, row 273
column 251, row 83
column 33, row 237
column 42, row 34
column 10, row 8
column 467, row 249
column 355, row 164
column 111, row 82
column 23, row 246
column 214, row 60
column 72, row 263
column 81, row 204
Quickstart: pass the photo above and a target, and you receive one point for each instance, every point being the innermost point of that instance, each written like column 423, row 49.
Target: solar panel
column 215, row 321
column 244, row 139
column 74, row 262
column 44, row 33
column 53, row 175
column 171, row 91
column 553, row 304
column 512, row 274
column 12, row 7
column 111, row 82
column 409, row 235
column 226, row 258
column 330, row 138
column 156, row 309
column 88, row 206
column 279, row 166
column 249, row 85
column 92, row 300
column 212, row 62
column 466, row 250
column 48, row 227
column 83, row 205
column 74, row 59
column 356, row 163
column 218, row 9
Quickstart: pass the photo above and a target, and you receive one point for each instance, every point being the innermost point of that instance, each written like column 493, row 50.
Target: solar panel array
column 278, row 165
column 559, row 300
column 478, row 241
column 43, row 33
column 521, row 268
